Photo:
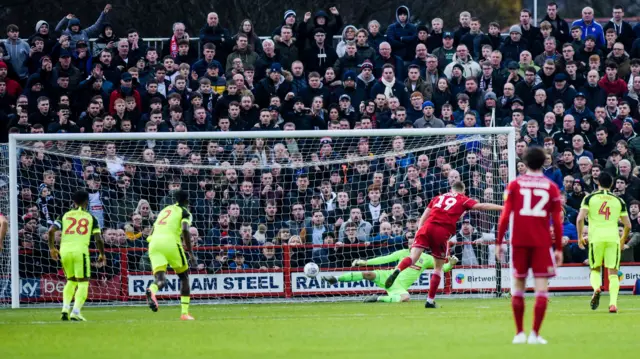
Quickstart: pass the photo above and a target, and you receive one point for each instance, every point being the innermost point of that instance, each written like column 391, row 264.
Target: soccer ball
column 311, row 270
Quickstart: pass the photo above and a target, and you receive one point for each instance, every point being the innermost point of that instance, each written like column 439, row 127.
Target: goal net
column 263, row 204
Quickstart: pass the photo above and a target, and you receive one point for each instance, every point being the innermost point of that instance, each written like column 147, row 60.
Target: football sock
column 350, row 277
column 595, row 279
column 433, row 285
column 539, row 310
column 81, row 296
column 517, row 304
column 614, row 287
column 184, row 303
column 405, row 263
column 67, row 294
column 154, row 288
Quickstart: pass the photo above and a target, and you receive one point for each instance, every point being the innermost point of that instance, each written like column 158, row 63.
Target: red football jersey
column 532, row 200
column 447, row 208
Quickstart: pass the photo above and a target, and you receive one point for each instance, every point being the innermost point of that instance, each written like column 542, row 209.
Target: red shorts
column 540, row 259
column 434, row 237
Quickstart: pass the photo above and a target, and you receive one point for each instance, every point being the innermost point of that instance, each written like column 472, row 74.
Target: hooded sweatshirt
column 18, row 52
column 340, row 49
column 402, row 35
column 65, row 25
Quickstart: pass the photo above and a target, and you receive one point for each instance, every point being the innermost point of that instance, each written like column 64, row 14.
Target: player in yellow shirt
column 77, row 226
column 603, row 209
column 165, row 249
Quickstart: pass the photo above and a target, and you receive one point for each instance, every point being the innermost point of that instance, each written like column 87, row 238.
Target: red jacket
column 116, row 94
column 13, row 88
column 617, row 87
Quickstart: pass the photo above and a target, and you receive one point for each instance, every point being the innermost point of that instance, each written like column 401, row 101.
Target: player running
column 4, row 227
column 532, row 200
column 603, row 210
column 77, row 226
column 398, row 291
column 437, row 225
column 165, row 248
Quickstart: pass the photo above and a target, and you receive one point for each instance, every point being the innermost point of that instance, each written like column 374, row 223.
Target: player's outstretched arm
column 53, row 251
column 487, row 207
column 4, row 227
column 580, row 226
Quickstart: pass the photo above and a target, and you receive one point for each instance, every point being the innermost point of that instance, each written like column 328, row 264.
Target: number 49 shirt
column 532, row 199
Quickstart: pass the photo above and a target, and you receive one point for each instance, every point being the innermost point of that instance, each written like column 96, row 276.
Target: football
column 311, row 270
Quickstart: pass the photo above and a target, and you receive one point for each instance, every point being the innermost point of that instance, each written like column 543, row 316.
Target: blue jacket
column 401, row 36
column 594, row 29
column 555, row 175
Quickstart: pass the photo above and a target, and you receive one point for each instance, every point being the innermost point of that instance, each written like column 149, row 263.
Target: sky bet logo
column 460, row 278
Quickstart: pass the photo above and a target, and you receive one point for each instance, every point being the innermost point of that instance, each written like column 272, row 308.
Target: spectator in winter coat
column 18, row 52
column 289, row 19
column 402, row 34
column 213, row 32
column 243, row 51
column 70, row 26
column 560, row 91
column 446, row 52
column 560, row 26
column 375, row 36
column 385, row 57
column 624, row 31
column 463, row 58
column 514, row 45
column 390, row 86
column 106, row 40
column 348, row 35
column 42, row 31
column 590, row 27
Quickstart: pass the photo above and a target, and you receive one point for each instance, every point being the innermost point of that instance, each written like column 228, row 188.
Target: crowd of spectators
column 570, row 88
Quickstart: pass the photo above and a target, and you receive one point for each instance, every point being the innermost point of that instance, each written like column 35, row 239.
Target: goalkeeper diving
column 398, row 292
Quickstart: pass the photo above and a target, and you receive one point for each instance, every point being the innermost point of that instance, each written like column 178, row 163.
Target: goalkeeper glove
column 358, row 263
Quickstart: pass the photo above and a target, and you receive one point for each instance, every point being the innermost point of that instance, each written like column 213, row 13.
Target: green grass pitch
column 461, row 328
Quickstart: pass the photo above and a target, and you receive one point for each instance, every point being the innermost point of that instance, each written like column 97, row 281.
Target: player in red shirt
column 437, row 225
column 4, row 226
column 533, row 200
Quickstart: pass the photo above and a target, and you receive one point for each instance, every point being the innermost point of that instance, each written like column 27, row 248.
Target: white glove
column 359, row 263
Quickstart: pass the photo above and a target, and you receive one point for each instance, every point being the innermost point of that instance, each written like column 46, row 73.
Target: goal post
column 245, row 189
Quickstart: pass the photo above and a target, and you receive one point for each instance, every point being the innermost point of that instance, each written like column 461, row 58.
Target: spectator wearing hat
column 589, row 26
column 365, row 79
column 348, row 34
column 349, row 87
column 611, row 83
column 43, row 31
column 17, row 52
column 106, row 40
column 513, row 45
column 125, row 90
column 446, row 51
column 489, row 104
column 319, row 55
column 273, row 85
column 580, row 111
column 70, row 26
column 428, row 119
column 402, row 34
column 560, row 90
column 627, row 133
column 65, row 65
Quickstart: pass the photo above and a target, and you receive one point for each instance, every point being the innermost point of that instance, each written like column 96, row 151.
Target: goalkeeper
column 398, row 291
